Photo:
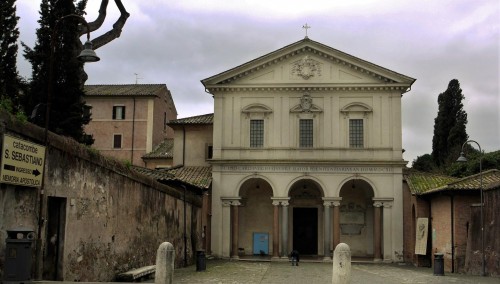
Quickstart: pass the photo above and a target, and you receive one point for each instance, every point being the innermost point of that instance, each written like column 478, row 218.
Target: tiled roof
column 200, row 177
column 421, row 182
column 490, row 180
column 156, row 174
column 200, row 119
column 197, row 176
column 124, row 90
column 164, row 150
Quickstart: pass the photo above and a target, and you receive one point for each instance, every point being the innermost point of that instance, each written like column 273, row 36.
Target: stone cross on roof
column 306, row 27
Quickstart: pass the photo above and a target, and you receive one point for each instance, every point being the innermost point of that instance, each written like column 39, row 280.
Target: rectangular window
column 165, row 121
column 356, row 133
column 118, row 112
column 256, row 133
column 210, row 151
column 117, row 141
column 306, row 133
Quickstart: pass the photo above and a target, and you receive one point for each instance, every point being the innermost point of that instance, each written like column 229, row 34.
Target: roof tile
column 199, row 119
column 124, row 90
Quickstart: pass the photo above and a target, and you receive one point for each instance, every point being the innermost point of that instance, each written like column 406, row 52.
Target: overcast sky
column 179, row 43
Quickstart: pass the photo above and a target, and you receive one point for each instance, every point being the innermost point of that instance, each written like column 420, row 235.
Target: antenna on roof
column 137, row 78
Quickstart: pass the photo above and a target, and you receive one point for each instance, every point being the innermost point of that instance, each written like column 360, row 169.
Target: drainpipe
column 133, row 134
column 185, row 233
column 452, row 233
column 183, row 145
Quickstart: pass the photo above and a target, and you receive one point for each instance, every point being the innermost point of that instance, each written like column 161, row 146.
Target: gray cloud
column 181, row 43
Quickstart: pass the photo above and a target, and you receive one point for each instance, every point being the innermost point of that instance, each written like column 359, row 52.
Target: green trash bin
column 438, row 264
column 201, row 264
column 18, row 256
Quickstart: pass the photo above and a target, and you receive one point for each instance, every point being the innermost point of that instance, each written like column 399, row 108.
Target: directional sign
column 22, row 162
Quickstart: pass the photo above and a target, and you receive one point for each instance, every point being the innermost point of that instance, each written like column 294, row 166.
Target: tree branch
column 99, row 21
column 117, row 27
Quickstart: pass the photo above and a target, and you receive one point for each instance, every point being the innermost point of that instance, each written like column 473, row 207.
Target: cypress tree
column 9, row 77
column 67, row 115
column 449, row 125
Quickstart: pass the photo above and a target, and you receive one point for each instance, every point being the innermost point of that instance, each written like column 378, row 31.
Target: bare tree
column 113, row 33
column 109, row 36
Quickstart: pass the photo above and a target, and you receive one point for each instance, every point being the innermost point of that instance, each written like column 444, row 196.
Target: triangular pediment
column 307, row 63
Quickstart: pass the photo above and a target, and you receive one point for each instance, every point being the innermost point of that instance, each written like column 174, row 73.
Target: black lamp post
column 87, row 55
column 462, row 158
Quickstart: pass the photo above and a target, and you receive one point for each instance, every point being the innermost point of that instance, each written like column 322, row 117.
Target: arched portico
column 357, row 218
column 255, row 227
column 306, row 212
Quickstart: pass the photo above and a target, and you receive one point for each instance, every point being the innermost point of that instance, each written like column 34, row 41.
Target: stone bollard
column 341, row 264
column 165, row 257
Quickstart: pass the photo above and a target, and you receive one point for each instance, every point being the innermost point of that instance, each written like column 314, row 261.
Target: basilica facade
column 307, row 153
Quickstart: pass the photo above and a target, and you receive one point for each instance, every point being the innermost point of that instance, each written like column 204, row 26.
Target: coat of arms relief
column 306, row 68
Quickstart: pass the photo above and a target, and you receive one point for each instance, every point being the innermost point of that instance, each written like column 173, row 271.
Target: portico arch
column 306, row 211
column 357, row 217
column 255, row 217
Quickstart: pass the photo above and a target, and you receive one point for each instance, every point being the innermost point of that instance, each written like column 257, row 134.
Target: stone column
column 387, row 231
column 276, row 230
column 377, row 234
column 326, row 231
column 225, row 230
column 336, row 223
column 284, row 231
column 234, row 229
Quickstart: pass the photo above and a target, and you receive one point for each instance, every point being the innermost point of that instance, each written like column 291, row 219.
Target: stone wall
column 99, row 218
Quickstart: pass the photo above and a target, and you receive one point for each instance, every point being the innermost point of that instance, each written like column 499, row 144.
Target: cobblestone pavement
column 225, row 271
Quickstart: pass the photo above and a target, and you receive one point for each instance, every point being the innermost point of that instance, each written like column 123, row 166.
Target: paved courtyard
column 224, row 271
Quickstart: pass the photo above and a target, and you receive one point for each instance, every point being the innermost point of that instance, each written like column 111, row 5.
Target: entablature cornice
column 339, row 88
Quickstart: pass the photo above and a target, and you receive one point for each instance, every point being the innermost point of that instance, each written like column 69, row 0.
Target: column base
column 377, row 260
column 327, row 259
column 235, row 257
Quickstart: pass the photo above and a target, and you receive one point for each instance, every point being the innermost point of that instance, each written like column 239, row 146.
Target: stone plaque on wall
column 352, row 219
column 421, row 237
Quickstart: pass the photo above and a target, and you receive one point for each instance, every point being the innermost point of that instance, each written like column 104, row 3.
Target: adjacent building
column 443, row 215
column 128, row 121
column 307, row 153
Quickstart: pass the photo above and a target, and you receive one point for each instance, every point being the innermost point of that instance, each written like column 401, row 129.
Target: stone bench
column 136, row 275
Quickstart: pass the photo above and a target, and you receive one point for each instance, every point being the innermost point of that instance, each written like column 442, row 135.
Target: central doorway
column 305, row 230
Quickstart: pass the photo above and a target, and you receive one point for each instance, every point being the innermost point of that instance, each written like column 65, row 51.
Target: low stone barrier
column 165, row 257
column 341, row 264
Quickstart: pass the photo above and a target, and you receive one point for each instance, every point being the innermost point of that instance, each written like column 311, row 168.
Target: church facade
column 307, row 153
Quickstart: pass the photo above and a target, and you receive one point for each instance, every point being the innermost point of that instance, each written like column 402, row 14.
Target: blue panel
column 261, row 243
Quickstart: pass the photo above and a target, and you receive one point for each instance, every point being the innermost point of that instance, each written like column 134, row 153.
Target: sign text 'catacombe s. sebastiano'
column 22, row 162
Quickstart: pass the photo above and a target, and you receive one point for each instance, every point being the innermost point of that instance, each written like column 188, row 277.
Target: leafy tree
column 67, row 108
column 489, row 161
column 9, row 77
column 449, row 126
column 424, row 163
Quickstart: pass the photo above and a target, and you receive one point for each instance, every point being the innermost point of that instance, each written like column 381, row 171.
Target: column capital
column 386, row 202
column 230, row 201
column 280, row 201
column 331, row 201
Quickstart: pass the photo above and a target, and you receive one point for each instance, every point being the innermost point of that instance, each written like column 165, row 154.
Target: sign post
column 22, row 162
